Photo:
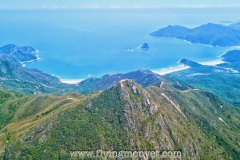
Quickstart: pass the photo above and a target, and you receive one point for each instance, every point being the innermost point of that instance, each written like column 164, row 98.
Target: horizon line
column 122, row 7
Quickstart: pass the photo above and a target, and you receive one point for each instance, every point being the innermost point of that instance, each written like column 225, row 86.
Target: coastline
column 181, row 67
column 169, row 70
column 212, row 63
column 162, row 71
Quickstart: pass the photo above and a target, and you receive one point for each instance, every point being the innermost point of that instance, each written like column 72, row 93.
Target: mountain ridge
column 126, row 116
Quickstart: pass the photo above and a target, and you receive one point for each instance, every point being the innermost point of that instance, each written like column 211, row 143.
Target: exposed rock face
column 39, row 135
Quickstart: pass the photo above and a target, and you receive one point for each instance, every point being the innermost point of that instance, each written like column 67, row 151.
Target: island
column 209, row 34
column 145, row 46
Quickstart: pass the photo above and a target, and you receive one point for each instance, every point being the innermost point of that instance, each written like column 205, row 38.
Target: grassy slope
column 22, row 113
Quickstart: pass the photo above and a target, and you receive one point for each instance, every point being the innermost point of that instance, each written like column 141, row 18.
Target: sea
column 82, row 43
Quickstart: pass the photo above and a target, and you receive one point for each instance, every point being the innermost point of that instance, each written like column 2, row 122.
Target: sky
column 56, row 4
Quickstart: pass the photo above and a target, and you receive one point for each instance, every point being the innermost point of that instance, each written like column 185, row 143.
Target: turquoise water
column 76, row 44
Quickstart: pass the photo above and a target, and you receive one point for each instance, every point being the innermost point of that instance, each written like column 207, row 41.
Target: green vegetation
column 124, row 117
column 216, row 80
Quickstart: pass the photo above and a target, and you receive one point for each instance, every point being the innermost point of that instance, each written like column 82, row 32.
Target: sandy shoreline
column 165, row 71
column 70, row 81
column 181, row 67
column 162, row 71
column 212, row 63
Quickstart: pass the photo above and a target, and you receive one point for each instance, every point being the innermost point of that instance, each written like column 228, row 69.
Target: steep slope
column 126, row 117
column 7, row 112
column 19, row 114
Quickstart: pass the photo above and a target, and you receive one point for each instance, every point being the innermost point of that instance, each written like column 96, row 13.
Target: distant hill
column 235, row 25
column 143, row 77
column 211, row 34
column 232, row 56
column 190, row 63
column 222, row 80
column 20, row 54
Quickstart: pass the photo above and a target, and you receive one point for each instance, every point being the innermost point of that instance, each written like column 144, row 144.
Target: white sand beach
column 181, row 67
column 212, row 63
column 162, row 71
column 70, row 81
column 165, row 71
